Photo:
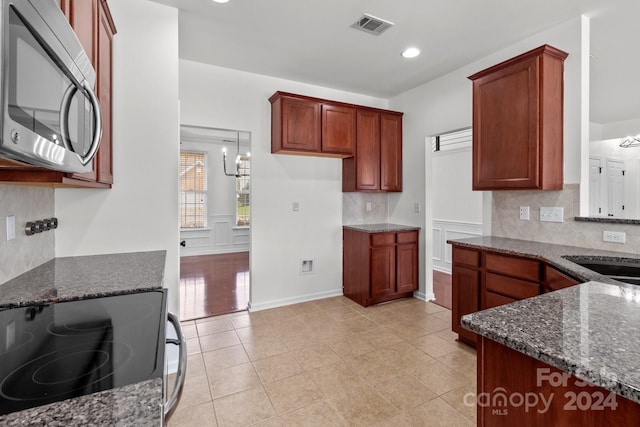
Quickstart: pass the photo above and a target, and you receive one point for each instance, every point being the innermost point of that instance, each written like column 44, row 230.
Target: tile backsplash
column 25, row 252
column 506, row 222
column 354, row 208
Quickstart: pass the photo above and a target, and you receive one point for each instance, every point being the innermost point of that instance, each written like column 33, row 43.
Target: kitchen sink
column 622, row 269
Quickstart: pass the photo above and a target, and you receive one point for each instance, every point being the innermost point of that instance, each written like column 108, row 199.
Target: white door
column 615, row 188
column 595, row 187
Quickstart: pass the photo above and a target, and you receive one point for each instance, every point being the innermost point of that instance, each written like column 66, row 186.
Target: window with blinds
column 243, row 192
column 193, row 189
column 455, row 140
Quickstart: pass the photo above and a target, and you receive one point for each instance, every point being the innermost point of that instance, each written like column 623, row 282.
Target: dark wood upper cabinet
column 377, row 163
column 390, row 152
column 518, row 122
column 92, row 22
column 338, row 129
column 369, row 140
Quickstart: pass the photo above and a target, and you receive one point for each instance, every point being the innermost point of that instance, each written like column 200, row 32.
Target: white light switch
column 552, row 214
column 416, row 207
column 11, row 227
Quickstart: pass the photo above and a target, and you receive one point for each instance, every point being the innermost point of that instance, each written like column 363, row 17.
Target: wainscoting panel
column 222, row 237
column 444, row 230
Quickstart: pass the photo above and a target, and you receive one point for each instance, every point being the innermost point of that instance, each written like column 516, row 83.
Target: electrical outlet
column 614, row 236
column 11, row 227
column 552, row 214
column 368, row 206
column 524, row 213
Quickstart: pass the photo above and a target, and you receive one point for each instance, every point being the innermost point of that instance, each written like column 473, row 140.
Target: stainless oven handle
column 172, row 401
column 97, row 132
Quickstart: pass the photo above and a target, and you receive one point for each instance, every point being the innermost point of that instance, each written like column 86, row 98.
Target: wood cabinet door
column 505, row 128
column 105, row 37
column 465, row 298
column 554, row 280
column 367, row 150
column 338, row 129
column 383, row 271
column 407, row 267
column 390, row 152
column 300, row 125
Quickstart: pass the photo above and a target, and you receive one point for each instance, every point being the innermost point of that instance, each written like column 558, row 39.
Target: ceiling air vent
column 372, row 25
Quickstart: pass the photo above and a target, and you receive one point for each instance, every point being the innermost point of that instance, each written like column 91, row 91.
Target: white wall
column 446, row 103
column 218, row 97
column 140, row 212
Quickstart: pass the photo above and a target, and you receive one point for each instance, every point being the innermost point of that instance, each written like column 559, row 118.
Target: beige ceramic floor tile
column 193, row 346
column 195, row 366
column 219, row 340
column 243, row 409
column 438, row 409
column 316, row 356
column 293, row 393
column 189, row 331
column 335, row 379
column 461, row 361
column 448, row 335
column 403, row 391
column 432, row 308
column 254, row 332
column 463, row 399
column 444, row 315
column 350, row 346
column 371, row 366
column 194, row 392
column 232, row 380
column 343, row 312
column 433, row 345
column 262, row 348
column 213, row 327
column 201, row 415
column 404, row 355
column 319, row 414
column 225, row 358
column 277, row 367
column 438, row 377
column 242, row 321
column 433, row 324
column 406, row 329
column 381, row 338
column 362, row 406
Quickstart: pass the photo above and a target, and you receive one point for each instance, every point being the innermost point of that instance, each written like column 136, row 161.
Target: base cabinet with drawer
column 483, row 279
column 379, row 266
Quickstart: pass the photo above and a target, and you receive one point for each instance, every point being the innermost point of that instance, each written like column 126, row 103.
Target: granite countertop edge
column 551, row 253
column 384, row 227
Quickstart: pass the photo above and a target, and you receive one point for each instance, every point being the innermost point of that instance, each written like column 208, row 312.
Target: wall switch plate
column 295, row 206
column 416, row 207
column 552, row 214
column 614, row 236
column 368, row 206
column 11, row 227
column 524, row 213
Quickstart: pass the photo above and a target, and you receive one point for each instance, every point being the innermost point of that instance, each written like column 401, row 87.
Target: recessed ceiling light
column 411, row 52
column 221, row 1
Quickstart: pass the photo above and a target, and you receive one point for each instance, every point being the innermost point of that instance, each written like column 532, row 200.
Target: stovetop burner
column 59, row 351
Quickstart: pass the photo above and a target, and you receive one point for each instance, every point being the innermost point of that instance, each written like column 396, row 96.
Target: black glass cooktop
column 55, row 352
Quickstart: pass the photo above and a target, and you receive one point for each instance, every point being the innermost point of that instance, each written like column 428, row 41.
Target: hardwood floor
column 211, row 285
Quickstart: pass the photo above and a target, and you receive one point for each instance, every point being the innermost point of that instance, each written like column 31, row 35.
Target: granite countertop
column 551, row 253
column 82, row 277
column 589, row 330
column 381, row 228
column 137, row 404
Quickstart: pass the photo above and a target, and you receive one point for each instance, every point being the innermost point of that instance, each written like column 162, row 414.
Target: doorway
column 215, row 221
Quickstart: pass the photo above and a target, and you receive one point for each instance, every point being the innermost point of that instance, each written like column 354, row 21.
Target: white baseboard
column 424, row 297
column 442, row 269
column 294, row 300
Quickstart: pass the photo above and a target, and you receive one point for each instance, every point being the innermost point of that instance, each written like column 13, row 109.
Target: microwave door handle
column 97, row 132
column 64, row 114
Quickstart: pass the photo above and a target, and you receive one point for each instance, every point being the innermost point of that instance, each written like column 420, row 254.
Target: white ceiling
column 311, row 41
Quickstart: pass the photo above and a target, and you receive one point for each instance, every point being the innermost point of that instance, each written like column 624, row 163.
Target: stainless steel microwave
column 50, row 113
